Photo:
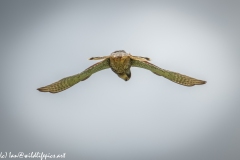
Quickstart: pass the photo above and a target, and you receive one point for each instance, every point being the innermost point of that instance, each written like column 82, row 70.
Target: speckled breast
column 120, row 61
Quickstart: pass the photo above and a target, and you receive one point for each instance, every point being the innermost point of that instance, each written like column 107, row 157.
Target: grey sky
column 104, row 117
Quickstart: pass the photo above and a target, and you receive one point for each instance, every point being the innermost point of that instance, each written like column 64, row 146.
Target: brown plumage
column 120, row 62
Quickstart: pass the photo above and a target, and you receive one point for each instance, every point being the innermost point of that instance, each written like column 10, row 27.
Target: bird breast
column 120, row 64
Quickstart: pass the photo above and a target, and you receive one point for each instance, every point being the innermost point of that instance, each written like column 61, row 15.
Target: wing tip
column 43, row 89
column 196, row 82
column 201, row 82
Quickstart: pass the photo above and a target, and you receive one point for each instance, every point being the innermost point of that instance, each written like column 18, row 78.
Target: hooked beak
column 125, row 76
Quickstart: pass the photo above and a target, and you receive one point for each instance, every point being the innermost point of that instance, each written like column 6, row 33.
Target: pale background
column 104, row 117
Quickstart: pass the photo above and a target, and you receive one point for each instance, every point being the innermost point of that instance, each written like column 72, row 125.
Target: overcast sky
column 104, row 117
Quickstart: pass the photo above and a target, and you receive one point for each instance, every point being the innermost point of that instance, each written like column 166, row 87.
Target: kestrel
column 120, row 62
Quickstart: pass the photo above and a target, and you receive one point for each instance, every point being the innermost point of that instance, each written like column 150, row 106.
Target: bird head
column 125, row 76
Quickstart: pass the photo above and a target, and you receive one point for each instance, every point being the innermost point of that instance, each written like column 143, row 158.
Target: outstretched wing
column 67, row 82
column 172, row 76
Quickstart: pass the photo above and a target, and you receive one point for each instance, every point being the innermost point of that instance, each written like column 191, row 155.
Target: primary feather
column 173, row 76
column 67, row 82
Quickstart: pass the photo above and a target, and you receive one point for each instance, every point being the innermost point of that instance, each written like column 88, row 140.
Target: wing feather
column 68, row 82
column 172, row 76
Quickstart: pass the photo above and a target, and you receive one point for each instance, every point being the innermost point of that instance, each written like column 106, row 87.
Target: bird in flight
column 120, row 62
